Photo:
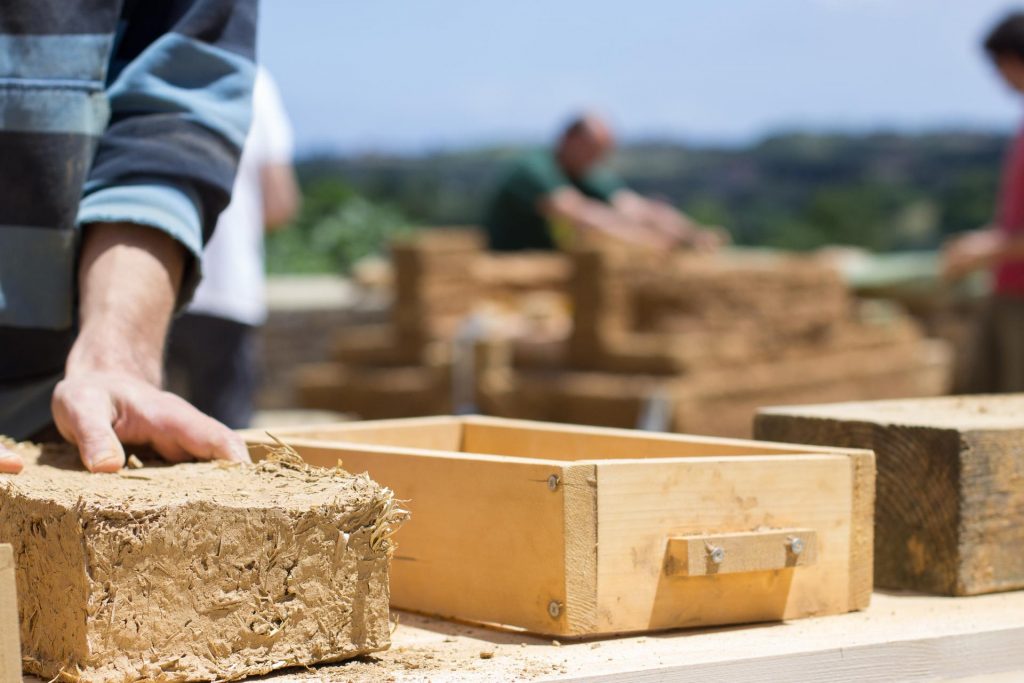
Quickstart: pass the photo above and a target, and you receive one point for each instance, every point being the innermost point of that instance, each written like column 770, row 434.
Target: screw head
column 716, row 554
column 796, row 545
column 554, row 609
column 553, row 482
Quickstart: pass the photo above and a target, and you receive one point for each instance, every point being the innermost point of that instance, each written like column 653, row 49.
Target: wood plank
column 10, row 648
column 949, row 658
column 748, row 551
column 431, row 433
column 862, row 529
column 950, row 507
column 641, row 505
column 486, row 540
column 525, row 438
column 580, row 518
column 900, row 638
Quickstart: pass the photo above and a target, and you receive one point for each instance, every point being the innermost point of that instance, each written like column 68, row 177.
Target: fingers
column 98, row 413
column 10, row 462
column 197, row 434
column 84, row 416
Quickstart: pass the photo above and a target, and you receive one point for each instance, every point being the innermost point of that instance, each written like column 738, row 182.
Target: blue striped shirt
column 110, row 110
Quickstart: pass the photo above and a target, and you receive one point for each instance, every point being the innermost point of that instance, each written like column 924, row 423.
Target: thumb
column 85, row 421
column 10, row 462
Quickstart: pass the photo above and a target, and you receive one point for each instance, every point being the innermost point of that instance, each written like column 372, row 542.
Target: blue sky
column 414, row 75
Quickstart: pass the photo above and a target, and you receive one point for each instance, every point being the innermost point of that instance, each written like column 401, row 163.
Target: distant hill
column 882, row 191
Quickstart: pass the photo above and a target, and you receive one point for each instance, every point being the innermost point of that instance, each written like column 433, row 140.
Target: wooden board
column 950, row 510
column 10, row 649
column 899, row 638
column 529, row 439
column 640, row 508
column 710, row 554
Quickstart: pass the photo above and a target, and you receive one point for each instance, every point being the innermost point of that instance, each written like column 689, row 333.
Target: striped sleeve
column 179, row 88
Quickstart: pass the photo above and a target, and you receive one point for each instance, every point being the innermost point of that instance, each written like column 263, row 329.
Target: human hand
column 129, row 277
column 969, row 252
column 711, row 239
column 98, row 411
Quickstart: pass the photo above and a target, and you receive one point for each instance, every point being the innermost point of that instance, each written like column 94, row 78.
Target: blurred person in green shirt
column 551, row 200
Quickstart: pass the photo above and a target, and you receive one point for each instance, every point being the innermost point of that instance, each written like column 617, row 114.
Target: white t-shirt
column 233, row 281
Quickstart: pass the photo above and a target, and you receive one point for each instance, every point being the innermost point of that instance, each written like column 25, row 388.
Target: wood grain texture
column 10, row 648
column 862, row 529
column 486, row 540
column 991, row 516
column 579, row 486
column 748, row 551
column 906, row 637
column 950, row 491
column 433, row 433
column 528, row 439
column 642, row 505
column 948, row 658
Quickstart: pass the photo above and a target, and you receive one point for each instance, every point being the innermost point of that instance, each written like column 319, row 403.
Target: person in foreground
column 997, row 354
column 121, row 130
column 553, row 200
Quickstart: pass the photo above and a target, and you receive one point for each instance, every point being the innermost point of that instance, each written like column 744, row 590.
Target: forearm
column 657, row 215
column 611, row 222
column 128, row 284
column 1010, row 248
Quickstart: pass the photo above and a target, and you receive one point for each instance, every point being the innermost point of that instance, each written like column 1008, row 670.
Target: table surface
column 900, row 637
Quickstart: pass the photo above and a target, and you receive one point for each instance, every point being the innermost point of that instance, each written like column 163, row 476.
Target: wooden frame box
column 576, row 531
column 950, row 514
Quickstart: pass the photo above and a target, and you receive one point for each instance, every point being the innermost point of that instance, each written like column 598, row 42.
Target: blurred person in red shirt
column 997, row 354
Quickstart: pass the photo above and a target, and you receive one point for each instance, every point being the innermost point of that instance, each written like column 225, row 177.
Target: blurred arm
column 663, row 218
column 281, row 196
column 979, row 249
column 585, row 214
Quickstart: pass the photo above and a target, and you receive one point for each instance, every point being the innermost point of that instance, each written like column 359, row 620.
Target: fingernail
column 105, row 460
column 9, row 462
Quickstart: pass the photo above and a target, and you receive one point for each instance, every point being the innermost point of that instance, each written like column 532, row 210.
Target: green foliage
column 335, row 228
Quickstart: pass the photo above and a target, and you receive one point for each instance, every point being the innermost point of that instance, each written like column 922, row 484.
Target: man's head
column 586, row 141
column 1005, row 45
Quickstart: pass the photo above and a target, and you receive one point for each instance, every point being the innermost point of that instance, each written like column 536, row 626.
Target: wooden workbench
column 900, row 638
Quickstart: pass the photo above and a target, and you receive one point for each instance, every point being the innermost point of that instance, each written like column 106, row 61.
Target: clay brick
column 194, row 572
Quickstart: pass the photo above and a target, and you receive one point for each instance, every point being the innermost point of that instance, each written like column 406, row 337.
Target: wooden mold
column 950, row 514
column 576, row 531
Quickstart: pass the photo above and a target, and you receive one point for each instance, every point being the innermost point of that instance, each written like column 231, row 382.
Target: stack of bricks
column 403, row 367
column 704, row 341
column 700, row 340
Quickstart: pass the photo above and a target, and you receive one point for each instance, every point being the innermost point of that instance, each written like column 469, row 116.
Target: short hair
column 1007, row 38
column 577, row 124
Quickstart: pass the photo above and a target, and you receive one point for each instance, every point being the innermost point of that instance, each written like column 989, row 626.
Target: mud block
column 196, row 571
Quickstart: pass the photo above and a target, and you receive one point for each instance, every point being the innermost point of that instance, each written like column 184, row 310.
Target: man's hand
column 970, row 252
column 99, row 411
column 128, row 282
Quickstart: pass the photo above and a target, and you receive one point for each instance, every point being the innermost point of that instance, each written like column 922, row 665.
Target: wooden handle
column 749, row 551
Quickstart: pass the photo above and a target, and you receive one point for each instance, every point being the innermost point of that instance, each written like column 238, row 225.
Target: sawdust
column 198, row 571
